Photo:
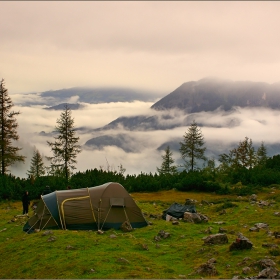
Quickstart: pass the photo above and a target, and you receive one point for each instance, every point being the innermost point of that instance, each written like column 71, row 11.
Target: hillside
column 209, row 94
column 72, row 254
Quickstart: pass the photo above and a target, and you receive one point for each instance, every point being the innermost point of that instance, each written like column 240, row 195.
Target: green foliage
column 37, row 168
column 65, row 147
column 167, row 166
column 192, row 147
column 8, row 131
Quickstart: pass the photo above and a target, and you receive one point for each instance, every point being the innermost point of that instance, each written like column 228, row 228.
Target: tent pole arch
column 91, row 206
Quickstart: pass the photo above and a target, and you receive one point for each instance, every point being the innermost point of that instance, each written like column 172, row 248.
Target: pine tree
column 166, row 166
column 261, row 155
column 37, row 168
column 8, row 131
column 65, row 148
column 192, row 146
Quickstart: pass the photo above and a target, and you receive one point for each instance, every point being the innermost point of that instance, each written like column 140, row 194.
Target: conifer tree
column 37, row 168
column 8, row 131
column 192, row 146
column 65, row 148
column 166, row 166
column 261, row 155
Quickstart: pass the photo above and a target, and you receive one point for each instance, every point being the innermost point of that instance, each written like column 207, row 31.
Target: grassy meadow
column 87, row 254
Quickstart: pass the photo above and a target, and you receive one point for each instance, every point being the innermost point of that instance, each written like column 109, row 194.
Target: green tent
column 101, row 207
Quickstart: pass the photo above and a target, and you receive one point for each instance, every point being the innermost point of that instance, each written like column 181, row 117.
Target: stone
column 204, row 202
column 47, row 232
column 277, row 214
column 4, row 229
column 126, row 227
column 246, row 270
column 122, row 260
column 175, row 223
column 52, row 239
column 261, row 225
column 190, row 201
column 219, row 223
column 113, row 236
column 270, row 245
column 253, row 197
column 163, row 234
column 69, row 247
column 219, row 238
column 254, row 229
column 188, row 217
column 269, row 273
column 208, row 269
column 100, row 231
column 241, row 243
column 264, row 263
column 276, row 234
column 222, row 230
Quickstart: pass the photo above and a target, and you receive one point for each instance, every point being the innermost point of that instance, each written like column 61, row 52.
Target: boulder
column 126, row 227
column 241, row 243
column 207, row 268
column 219, row 238
column 269, row 273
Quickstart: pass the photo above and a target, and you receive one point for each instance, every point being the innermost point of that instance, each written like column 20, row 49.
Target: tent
column 177, row 210
column 101, row 207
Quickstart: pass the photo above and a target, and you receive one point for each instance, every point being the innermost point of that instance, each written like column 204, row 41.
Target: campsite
column 164, row 249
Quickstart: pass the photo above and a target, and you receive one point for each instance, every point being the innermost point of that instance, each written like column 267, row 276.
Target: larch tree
column 37, row 167
column 65, row 147
column 167, row 166
column 192, row 148
column 8, row 131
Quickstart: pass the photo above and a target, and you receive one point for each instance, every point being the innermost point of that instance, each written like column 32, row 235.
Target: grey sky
column 149, row 45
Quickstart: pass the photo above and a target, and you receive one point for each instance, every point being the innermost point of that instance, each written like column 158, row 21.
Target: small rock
column 113, row 236
column 175, row 223
column 254, row 229
column 52, row 238
column 69, row 247
column 4, row 229
column 122, row 260
column 222, row 230
column 47, row 232
column 246, row 270
column 277, row 214
column 219, row 238
column 100, row 231
column 219, row 223
column 126, row 227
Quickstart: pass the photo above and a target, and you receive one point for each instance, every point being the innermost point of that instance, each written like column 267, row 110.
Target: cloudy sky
column 154, row 46
column 140, row 44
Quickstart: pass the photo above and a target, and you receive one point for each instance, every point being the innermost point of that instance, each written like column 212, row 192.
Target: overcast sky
column 148, row 45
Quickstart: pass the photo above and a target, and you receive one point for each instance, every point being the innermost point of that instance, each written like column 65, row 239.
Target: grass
column 97, row 256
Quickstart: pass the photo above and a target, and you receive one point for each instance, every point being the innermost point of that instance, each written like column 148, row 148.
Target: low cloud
column 259, row 124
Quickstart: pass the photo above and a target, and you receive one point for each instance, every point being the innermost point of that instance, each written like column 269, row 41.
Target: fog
column 220, row 129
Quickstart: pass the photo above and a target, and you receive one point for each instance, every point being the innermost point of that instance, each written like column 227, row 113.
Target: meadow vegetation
column 119, row 255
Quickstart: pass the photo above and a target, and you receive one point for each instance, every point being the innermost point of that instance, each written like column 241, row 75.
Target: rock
column 190, row 201
column 246, row 270
column 204, row 202
column 92, row 270
column 157, row 238
column 4, row 229
column 253, row 197
column 69, row 247
column 262, row 203
column 175, row 223
column 269, row 273
column 219, row 223
column 222, row 230
column 145, row 247
column 196, row 218
column 37, row 230
column 208, row 269
column 276, row 234
column 208, row 230
column 203, row 218
column 182, row 276
column 47, row 232
column 261, row 225
column 223, row 212
column 52, row 239
column 113, row 236
column 218, row 238
column 100, row 231
column 270, row 245
column 188, row 217
column 122, row 260
column 241, row 243
column 254, row 229
column 265, row 263
column 163, row 234
column 150, row 223
column 126, row 227
column 277, row 214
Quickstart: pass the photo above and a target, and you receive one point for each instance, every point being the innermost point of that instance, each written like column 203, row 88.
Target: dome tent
column 101, row 207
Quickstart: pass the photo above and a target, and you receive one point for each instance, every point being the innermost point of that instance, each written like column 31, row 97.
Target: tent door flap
column 117, row 201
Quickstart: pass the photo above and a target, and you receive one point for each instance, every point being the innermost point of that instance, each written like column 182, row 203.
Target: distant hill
column 209, row 94
column 101, row 95
column 62, row 106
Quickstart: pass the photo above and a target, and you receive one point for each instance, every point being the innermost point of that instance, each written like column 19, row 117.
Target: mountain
column 61, row 106
column 209, row 94
column 101, row 95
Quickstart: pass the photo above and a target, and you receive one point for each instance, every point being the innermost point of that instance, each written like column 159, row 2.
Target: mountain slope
column 210, row 94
